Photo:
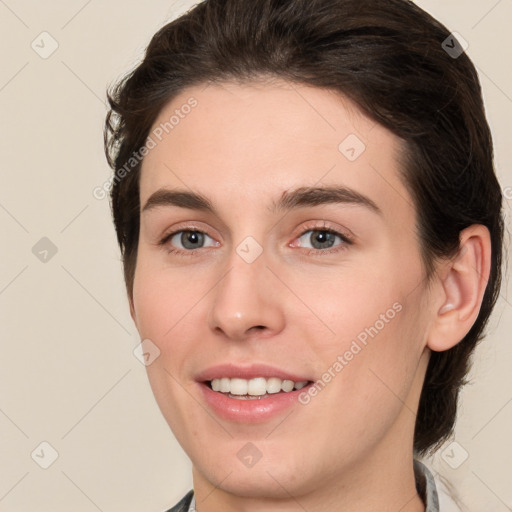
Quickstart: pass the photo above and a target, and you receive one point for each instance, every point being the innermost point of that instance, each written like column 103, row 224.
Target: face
column 288, row 260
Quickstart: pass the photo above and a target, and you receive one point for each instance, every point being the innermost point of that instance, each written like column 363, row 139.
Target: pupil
column 189, row 238
column 325, row 239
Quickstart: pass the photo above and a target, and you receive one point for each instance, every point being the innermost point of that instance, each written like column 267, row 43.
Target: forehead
column 267, row 137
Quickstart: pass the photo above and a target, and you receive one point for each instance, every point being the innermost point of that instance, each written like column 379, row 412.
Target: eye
column 186, row 241
column 321, row 239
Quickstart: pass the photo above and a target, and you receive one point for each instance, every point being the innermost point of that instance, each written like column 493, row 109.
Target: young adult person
column 311, row 231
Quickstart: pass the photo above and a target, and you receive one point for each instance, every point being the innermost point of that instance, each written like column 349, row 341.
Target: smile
column 256, row 388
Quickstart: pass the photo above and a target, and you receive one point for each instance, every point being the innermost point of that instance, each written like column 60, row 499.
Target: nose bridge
column 243, row 297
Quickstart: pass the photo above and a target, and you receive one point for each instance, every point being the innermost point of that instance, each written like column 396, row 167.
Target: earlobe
column 462, row 287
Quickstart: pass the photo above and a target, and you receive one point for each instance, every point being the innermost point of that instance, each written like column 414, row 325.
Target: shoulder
column 184, row 504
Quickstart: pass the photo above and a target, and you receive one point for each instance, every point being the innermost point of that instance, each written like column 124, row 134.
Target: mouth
column 256, row 388
column 250, row 394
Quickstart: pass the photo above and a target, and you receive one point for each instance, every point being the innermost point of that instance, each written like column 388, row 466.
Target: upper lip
column 248, row 372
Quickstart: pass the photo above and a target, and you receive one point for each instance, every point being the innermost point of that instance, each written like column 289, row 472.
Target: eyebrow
column 290, row 200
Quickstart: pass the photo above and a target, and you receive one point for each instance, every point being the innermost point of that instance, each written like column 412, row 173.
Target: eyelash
column 315, row 252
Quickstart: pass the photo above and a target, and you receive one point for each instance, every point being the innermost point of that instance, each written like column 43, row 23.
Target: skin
column 242, row 146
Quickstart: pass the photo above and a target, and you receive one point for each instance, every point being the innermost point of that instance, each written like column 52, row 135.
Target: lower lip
column 250, row 411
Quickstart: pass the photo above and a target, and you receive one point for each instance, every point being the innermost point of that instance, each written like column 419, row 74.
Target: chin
column 275, row 479
column 277, row 483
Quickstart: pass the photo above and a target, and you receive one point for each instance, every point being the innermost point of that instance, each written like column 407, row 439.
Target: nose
column 247, row 301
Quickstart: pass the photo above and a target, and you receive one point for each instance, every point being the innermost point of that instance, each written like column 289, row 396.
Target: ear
column 462, row 283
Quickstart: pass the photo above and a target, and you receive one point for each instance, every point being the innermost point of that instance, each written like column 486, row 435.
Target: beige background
column 68, row 375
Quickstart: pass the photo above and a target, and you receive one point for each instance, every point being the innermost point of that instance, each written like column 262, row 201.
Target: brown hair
column 389, row 57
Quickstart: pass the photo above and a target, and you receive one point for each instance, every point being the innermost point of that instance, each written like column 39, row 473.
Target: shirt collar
column 426, row 487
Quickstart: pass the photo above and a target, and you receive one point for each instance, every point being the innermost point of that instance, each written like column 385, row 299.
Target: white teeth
column 224, row 385
column 287, row 385
column 238, row 387
column 258, row 386
column 274, row 385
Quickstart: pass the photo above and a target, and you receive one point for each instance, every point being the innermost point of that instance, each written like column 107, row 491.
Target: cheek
column 378, row 364
column 375, row 338
column 163, row 302
column 351, row 307
column 163, row 298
